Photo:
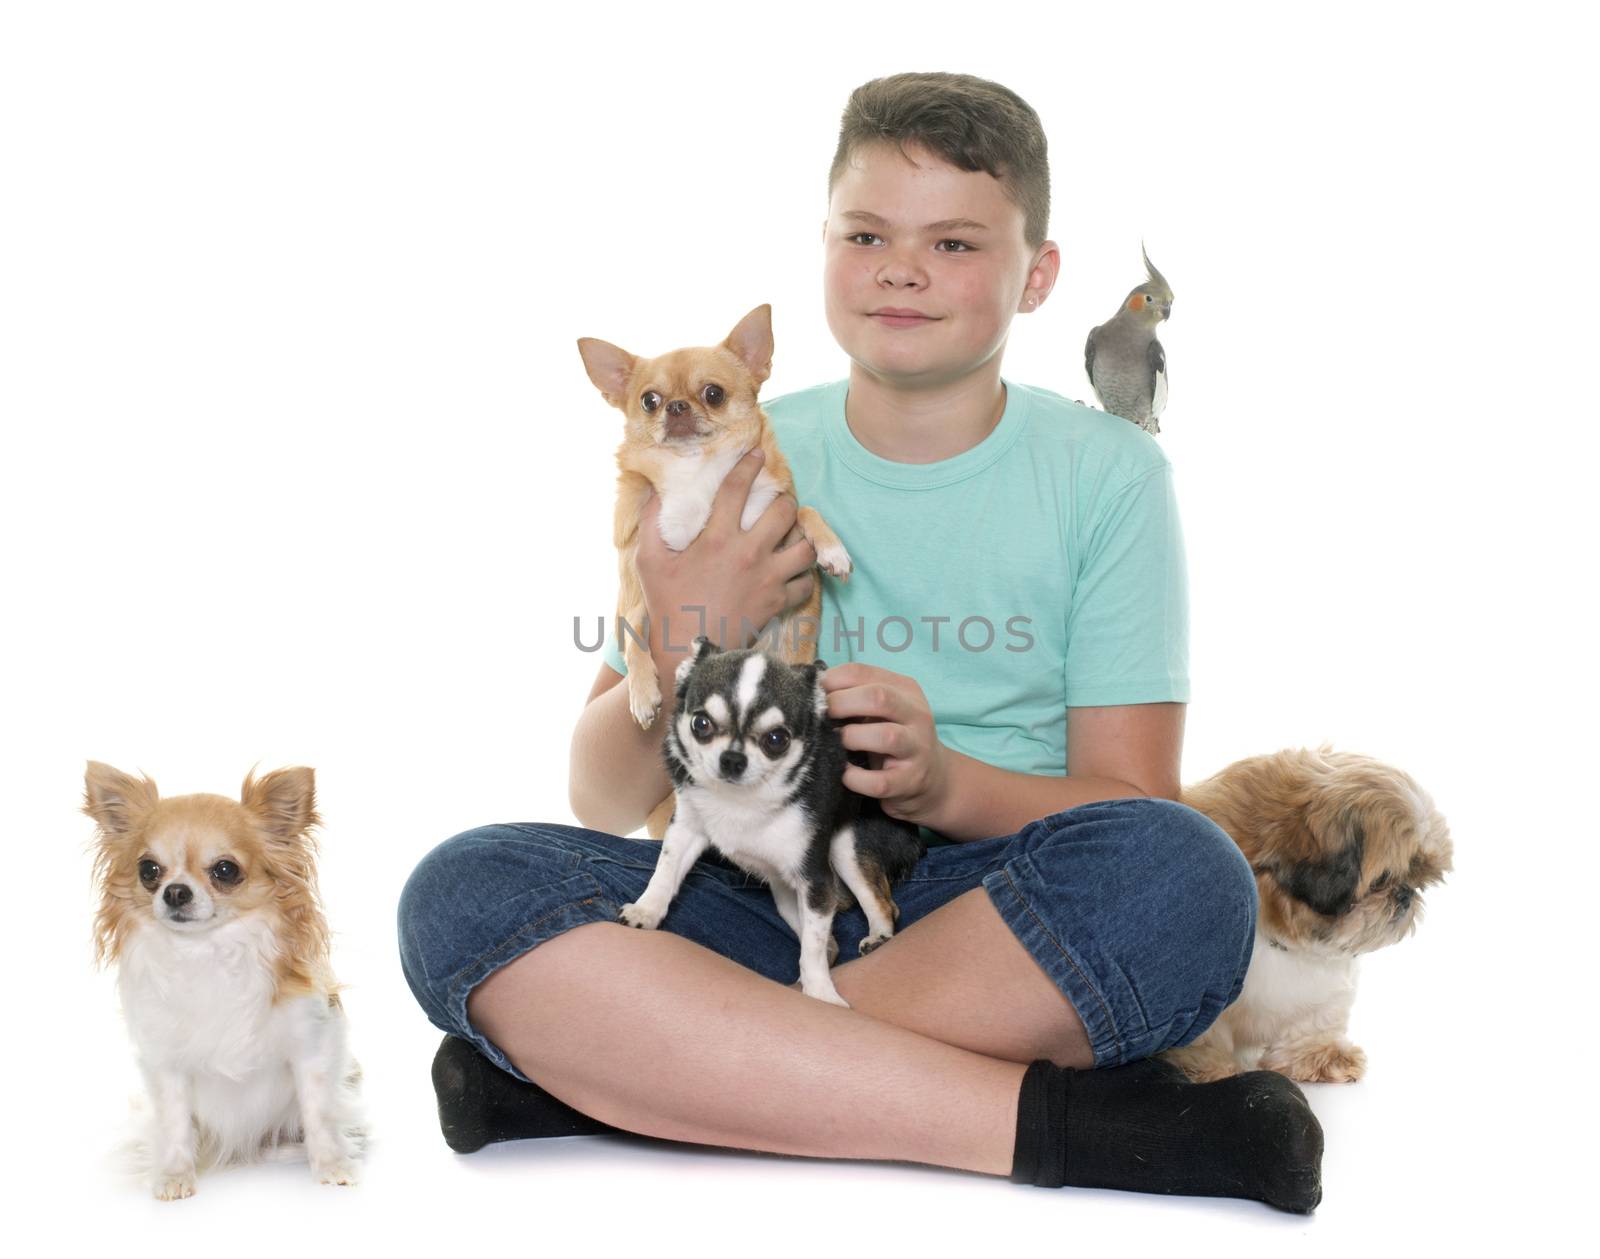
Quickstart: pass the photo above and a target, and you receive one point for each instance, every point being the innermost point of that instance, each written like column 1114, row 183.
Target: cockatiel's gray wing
column 1157, row 358
column 1088, row 362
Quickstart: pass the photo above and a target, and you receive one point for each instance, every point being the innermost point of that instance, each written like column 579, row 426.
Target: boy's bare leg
column 652, row 1033
column 960, row 976
column 655, row 1034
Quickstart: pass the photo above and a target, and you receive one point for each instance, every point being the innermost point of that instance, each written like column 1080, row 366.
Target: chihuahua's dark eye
column 775, row 742
column 226, row 872
column 149, row 873
column 713, row 395
column 701, row 727
column 1379, row 883
column 651, row 401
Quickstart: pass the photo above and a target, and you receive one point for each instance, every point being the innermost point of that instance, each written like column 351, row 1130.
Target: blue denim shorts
column 1142, row 911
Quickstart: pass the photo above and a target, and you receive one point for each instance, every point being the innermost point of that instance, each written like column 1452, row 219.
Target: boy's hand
column 909, row 768
column 729, row 572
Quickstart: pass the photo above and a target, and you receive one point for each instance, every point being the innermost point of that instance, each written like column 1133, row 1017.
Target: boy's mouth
column 900, row 316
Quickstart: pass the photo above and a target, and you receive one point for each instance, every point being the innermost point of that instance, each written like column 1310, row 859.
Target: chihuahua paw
column 170, row 1186
column 635, row 915
column 644, row 700
column 834, row 560
column 824, row 993
column 335, row 1173
column 868, row 943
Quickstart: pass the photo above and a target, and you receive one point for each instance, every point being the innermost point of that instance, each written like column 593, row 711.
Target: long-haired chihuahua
column 209, row 911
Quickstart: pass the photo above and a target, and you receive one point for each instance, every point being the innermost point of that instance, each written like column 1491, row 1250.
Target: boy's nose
column 898, row 271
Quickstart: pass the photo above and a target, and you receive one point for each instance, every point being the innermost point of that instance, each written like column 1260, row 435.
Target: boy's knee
column 1176, row 906
column 446, row 895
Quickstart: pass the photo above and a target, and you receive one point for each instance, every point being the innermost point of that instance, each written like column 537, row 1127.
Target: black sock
column 480, row 1103
column 1145, row 1127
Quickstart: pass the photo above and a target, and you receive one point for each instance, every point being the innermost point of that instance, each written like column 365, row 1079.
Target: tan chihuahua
column 690, row 416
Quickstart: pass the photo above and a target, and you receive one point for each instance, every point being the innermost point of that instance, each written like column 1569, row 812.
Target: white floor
column 1443, row 1143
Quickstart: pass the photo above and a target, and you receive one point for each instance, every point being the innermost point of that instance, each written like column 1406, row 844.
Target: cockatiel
column 1125, row 362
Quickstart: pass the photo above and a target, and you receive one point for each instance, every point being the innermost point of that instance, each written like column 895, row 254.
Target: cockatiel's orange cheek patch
column 1136, row 302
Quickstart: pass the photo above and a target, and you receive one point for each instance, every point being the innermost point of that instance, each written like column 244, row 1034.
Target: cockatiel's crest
column 1153, row 298
column 1125, row 362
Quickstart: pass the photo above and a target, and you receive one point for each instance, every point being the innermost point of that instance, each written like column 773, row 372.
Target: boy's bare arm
column 1113, row 753
column 728, row 576
column 616, row 773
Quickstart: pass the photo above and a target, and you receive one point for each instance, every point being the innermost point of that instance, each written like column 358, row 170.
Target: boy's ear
column 610, row 367
column 751, row 340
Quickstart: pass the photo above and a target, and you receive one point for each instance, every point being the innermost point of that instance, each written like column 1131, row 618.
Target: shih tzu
column 1342, row 847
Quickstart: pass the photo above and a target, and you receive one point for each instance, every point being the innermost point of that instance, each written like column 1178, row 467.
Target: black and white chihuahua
column 757, row 769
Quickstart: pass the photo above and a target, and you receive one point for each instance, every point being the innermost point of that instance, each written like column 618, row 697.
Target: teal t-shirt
column 1040, row 570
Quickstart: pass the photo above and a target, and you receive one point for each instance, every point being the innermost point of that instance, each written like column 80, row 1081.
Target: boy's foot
column 1145, row 1127
column 480, row 1103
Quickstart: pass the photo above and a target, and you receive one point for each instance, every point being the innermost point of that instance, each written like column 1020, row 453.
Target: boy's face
column 921, row 235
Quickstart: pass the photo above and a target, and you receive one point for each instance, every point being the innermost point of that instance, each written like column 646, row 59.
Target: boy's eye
column 859, row 235
column 965, row 248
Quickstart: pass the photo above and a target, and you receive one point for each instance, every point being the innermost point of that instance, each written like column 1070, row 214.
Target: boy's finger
column 797, row 590
column 797, row 560
column 887, row 738
column 852, row 673
column 774, row 524
column 871, row 699
column 867, row 782
column 728, row 506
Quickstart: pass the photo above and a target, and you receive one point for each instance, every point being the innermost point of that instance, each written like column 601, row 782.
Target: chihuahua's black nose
column 1402, row 897
column 177, row 895
column 733, row 763
column 677, row 407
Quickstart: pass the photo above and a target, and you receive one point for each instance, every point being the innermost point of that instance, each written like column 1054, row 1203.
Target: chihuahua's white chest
column 688, row 483
column 215, row 1047
column 203, row 1002
column 746, row 828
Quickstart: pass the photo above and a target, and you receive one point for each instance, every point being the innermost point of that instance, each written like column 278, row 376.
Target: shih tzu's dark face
column 1343, row 846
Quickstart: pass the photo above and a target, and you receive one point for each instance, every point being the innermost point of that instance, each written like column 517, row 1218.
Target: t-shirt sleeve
column 611, row 653
column 1128, row 624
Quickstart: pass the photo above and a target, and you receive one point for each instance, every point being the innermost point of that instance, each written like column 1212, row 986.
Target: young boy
column 1015, row 638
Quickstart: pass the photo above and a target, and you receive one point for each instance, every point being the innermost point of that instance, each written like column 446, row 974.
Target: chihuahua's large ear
column 610, row 367
column 116, row 800
column 285, row 801
column 703, row 647
column 751, row 340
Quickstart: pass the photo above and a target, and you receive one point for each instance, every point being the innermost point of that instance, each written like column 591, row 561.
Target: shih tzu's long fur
column 209, row 910
column 1342, row 847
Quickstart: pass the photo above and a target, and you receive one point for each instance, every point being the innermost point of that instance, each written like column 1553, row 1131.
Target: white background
column 301, row 467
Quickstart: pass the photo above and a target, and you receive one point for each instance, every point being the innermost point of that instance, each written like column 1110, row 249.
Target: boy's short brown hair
column 971, row 123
